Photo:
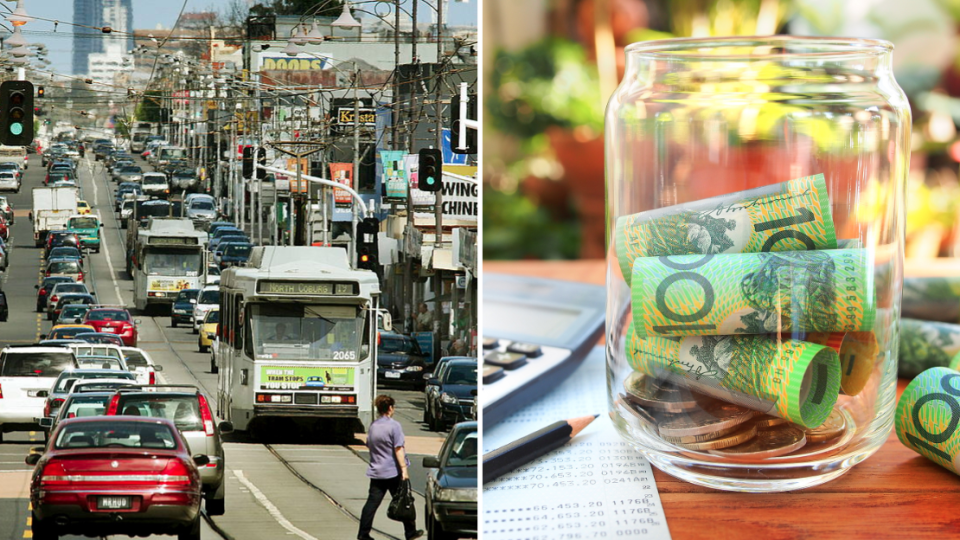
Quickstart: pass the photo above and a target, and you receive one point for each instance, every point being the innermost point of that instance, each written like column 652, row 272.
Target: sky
column 150, row 13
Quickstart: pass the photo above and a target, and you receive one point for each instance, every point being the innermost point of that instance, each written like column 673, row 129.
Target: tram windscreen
column 172, row 262
column 306, row 332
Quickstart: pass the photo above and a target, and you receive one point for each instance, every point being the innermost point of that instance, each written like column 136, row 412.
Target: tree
column 149, row 108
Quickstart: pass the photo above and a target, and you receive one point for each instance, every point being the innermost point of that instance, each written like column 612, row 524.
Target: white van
column 14, row 154
column 26, row 376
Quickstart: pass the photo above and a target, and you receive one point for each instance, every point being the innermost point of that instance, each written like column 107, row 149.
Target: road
column 310, row 490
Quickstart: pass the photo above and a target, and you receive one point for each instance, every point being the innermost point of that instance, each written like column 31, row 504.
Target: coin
column 710, row 418
column 833, row 427
column 635, row 412
column 766, row 421
column 740, row 435
column 773, row 442
column 640, row 390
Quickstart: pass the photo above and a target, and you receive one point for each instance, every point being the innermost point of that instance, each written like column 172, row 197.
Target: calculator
column 535, row 333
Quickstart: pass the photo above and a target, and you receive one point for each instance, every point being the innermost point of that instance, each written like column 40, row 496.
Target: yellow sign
column 292, row 64
column 368, row 117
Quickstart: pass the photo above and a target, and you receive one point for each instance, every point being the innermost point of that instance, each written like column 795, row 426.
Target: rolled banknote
column 790, row 216
column 926, row 417
column 796, row 380
column 858, row 354
column 931, row 299
column 754, row 293
column 926, row 344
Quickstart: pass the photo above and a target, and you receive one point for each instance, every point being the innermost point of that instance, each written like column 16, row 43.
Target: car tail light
column 54, row 474
column 48, row 273
column 53, row 298
column 1, row 391
column 49, row 405
column 114, row 404
column 80, row 276
column 175, row 473
column 43, row 292
column 152, row 378
column 206, row 415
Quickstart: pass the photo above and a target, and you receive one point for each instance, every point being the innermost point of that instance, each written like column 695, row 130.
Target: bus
column 297, row 341
column 167, row 257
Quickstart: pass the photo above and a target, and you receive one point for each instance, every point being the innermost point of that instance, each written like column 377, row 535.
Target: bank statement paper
column 595, row 487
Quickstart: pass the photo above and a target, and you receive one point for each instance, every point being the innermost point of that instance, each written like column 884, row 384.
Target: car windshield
column 64, row 288
column 96, row 350
column 66, row 333
column 109, row 433
column 64, row 251
column 63, row 267
column 107, row 339
column 212, row 317
column 213, row 270
column 308, row 332
column 172, row 262
column 201, row 205
column 183, row 410
column 211, row 296
column 78, row 406
column 35, row 364
column 460, row 374
column 155, row 180
column 111, row 315
column 463, row 450
column 186, row 295
column 84, row 223
column 99, row 362
column 131, row 170
column 237, row 250
column 74, row 311
column 66, row 380
column 399, row 345
column 135, row 359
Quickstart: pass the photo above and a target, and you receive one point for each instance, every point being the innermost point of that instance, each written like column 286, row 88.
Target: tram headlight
column 415, row 368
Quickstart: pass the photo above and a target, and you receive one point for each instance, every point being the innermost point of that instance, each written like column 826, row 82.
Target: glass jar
column 755, row 216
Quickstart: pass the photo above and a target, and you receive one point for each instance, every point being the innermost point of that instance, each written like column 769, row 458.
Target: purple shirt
column 385, row 435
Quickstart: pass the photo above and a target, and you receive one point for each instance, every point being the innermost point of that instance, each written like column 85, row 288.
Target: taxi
column 67, row 331
column 83, row 208
column 208, row 330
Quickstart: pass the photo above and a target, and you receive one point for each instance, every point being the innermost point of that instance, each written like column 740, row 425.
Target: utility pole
column 438, row 205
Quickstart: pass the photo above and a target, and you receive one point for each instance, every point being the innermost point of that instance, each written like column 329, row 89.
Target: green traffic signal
column 16, row 128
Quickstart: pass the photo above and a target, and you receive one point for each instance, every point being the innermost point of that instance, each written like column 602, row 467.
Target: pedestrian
column 388, row 467
column 424, row 319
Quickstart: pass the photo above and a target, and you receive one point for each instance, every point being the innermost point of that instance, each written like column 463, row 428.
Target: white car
column 209, row 298
column 140, row 363
column 9, row 181
column 155, row 184
column 96, row 349
column 26, row 375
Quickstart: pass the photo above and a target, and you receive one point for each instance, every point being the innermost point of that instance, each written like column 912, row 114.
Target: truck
column 52, row 208
column 14, row 154
column 139, row 134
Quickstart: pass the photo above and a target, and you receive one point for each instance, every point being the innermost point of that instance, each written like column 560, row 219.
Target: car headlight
column 457, row 495
column 415, row 368
column 449, row 399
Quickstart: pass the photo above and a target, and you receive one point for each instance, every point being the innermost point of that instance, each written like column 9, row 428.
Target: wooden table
column 895, row 493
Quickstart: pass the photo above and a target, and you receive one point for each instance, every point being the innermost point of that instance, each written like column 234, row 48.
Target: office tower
column 93, row 15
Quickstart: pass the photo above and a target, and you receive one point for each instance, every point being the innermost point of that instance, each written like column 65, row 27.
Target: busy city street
column 285, row 484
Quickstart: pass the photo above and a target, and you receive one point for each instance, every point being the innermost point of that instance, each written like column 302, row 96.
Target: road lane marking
column 271, row 508
column 103, row 241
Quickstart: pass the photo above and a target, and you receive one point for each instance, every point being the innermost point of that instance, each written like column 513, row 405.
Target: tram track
column 293, row 470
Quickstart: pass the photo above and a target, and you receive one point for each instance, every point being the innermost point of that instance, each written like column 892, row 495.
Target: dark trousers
column 379, row 488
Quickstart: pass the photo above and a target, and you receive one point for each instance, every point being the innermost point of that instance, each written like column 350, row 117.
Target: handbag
column 402, row 507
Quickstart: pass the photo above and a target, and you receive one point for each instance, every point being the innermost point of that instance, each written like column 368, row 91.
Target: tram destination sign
column 320, row 288
column 172, row 241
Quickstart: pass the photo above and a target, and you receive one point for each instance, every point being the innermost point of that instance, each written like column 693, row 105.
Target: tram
column 297, row 341
column 167, row 256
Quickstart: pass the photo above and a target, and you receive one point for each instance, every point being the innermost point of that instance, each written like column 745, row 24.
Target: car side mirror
column 46, row 421
column 225, row 427
column 433, row 381
column 158, row 368
column 193, row 300
column 43, row 336
column 43, row 393
column 37, row 287
column 431, row 462
column 473, row 393
column 136, row 321
column 101, row 225
column 427, row 377
column 32, row 459
column 201, row 460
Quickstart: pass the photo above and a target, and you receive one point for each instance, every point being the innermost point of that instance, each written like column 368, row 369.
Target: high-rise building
column 90, row 16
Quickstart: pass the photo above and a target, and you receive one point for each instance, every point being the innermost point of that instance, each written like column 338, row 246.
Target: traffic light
column 248, row 162
column 430, row 174
column 16, row 106
column 39, row 91
column 471, row 142
column 367, row 248
column 262, row 161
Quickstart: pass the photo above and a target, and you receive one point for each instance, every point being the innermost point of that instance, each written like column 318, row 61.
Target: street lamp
column 346, row 20
column 19, row 16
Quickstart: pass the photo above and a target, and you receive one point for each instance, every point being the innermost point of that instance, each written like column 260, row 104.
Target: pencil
column 538, row 443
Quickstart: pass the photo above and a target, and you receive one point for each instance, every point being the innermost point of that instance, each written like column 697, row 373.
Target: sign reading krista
column 368, row 117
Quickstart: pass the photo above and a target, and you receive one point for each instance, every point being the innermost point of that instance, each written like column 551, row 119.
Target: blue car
column 455, row 393
column 232, row 253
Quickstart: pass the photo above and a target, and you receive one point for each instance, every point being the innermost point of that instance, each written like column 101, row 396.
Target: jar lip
column 829, row 47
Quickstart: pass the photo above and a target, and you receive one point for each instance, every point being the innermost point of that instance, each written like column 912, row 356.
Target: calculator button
column 490, row 343
column 492, row 374
column 530, row 350
column 505, row 360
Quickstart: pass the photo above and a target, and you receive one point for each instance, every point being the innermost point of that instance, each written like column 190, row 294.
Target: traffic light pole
column 438, row 205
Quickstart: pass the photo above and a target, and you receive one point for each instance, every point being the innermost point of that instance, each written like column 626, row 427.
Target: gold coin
column 766, row 421
column 739, row 435
column 768, row 443
column 710, row 418
column 634, row 412
column 641, row 391
column 834, row 426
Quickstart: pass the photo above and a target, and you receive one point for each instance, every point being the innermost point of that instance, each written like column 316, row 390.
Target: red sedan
column 115, row 321
column 126, row 475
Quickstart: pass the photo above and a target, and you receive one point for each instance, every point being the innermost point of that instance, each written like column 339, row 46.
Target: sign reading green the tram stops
column 337, row 379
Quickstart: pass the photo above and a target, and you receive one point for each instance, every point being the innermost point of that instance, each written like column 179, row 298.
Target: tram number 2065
column 344, row 355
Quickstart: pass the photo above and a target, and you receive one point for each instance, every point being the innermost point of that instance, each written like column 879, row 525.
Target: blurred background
column 549, row 66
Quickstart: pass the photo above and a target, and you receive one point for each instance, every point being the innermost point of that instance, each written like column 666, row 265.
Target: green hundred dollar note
column 932, row 299
column 754, row 293
column 926, row 418
column 790, row 216
column 796, row 380
column 925, row 344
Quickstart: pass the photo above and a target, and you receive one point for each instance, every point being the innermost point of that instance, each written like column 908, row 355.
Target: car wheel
column 173, row 323
column 41, row 529
column 216, row 507
column 49, row 316
column 192, row 532
column 202, row 348
column 196, row 330
column 213, row 366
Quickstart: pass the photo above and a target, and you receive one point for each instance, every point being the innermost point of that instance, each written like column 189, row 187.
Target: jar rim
column 821, row 47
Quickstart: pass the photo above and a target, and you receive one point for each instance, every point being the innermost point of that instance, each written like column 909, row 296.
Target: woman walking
column 388, row 467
